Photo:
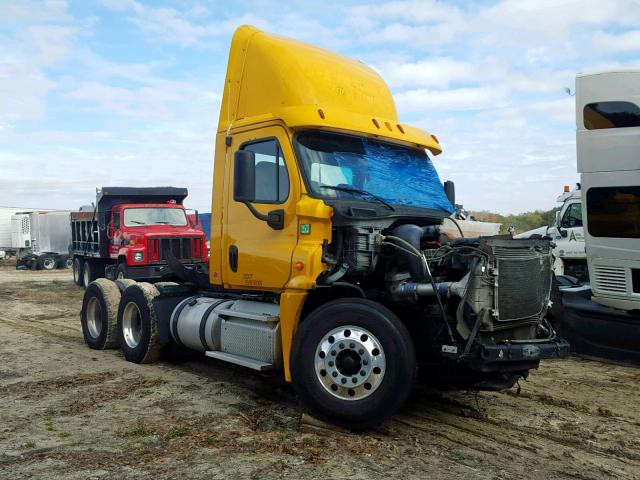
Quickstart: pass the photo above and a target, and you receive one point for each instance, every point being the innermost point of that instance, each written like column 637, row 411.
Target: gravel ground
column 69, row 412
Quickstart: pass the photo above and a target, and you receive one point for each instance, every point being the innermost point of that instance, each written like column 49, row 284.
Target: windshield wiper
column 136, row 221
column 361, row 192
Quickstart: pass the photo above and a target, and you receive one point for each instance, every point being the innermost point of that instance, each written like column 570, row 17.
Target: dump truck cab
column 130, row 232
column 326, row 260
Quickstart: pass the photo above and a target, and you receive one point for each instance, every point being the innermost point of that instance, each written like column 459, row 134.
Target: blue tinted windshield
column 396, row 174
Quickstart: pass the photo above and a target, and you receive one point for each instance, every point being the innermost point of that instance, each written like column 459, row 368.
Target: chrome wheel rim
column 119, row 276
column 85, row 276
column 131, row 325
column 350, row 363
column 48, row 264
column 94, row 317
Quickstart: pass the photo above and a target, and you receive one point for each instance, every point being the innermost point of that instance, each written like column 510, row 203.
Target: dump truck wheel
column 121, row 271
column 99, row 315
column 138, row 324
column 90, row 272
column 78, row 264
column 352, row 362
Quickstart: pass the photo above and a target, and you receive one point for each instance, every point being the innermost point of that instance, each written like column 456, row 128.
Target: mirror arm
column 255, row 212
column 275, row 218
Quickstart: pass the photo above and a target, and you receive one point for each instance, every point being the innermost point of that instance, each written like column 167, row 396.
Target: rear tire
column 123, row 283
column 352, row 362
column 99, row 315
column 78, row 267
column 46, row 262
column 90, row 272
column 138, row 324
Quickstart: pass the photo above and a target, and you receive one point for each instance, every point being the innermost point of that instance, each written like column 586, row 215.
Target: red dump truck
column 132, row 233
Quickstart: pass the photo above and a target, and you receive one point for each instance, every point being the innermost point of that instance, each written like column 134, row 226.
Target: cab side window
column 272, row 178
column 116, row 221
column 572, row 216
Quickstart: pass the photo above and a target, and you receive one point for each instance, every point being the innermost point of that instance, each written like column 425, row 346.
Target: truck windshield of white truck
column 136, row 217
column 344, row 166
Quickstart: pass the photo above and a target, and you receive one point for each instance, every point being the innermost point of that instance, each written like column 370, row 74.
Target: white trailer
column 39, row 238
column 5, row 228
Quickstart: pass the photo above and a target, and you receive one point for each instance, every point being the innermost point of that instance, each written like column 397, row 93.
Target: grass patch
column 30, row 444
column 48, row 419
column 177, row 432
column 209, row 440
column 140, row 430
column 64, row 434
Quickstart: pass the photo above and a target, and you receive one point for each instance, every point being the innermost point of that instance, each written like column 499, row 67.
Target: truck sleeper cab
column 132, row 232
column 326, row 259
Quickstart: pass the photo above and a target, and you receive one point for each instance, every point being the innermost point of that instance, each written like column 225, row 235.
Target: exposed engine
column 475, row 296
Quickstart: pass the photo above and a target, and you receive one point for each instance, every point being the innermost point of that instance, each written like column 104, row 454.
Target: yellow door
column 255, row 255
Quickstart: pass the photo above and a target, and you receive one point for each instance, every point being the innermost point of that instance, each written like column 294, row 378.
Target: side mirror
column 563, row 233
column 244, row 176
column 450, row 191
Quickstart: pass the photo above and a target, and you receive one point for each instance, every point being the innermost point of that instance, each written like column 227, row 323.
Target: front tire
column 138, row 324
column 122, row 271
column 99, row 315
column 353, row 363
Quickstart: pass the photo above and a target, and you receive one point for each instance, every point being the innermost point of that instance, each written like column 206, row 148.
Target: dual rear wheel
column 125, row 318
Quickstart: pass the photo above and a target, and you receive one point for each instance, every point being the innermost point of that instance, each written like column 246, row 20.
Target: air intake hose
column 411, row 234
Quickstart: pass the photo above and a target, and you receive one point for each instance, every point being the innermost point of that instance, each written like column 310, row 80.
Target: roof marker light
column 566, row 189
column 375, row 122
column 400, row 128
column 321, row 113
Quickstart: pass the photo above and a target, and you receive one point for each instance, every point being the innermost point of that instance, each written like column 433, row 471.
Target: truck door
column 571, row 245
column 114, row 234
column 255, row 255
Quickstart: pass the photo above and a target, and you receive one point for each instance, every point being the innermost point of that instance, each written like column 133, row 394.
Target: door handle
column 233, row 258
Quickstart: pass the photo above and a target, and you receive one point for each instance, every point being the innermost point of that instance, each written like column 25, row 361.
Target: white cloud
column 623, row 42
column 460, row 99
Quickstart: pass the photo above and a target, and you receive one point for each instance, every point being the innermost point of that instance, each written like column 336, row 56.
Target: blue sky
column 127, row 92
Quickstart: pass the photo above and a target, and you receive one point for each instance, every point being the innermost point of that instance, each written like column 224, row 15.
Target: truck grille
column 610, row 279
column 189, row 248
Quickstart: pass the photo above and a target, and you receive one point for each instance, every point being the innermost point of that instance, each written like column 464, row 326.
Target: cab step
column 240, row 360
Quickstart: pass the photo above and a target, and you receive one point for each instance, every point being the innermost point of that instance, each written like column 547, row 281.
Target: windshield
column 135, row 217
column 341, row 166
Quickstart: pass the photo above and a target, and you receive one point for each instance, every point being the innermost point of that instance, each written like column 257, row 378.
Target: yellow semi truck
column 326, row 261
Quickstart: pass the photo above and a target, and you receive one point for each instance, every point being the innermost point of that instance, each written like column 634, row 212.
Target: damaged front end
column 486, row 301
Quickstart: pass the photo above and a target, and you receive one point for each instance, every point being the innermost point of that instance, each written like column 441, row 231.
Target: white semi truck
column 567, row 232
column 604, row 320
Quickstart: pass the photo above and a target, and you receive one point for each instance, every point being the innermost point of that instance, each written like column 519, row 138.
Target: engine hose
column 457, row 225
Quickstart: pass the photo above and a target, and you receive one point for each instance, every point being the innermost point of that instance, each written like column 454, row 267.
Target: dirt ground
column 73, row 413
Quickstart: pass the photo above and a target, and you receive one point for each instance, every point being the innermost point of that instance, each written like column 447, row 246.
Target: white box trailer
column 39, row 238
column 5, row 227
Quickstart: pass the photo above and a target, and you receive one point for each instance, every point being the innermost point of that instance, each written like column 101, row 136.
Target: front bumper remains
column 524, row 352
